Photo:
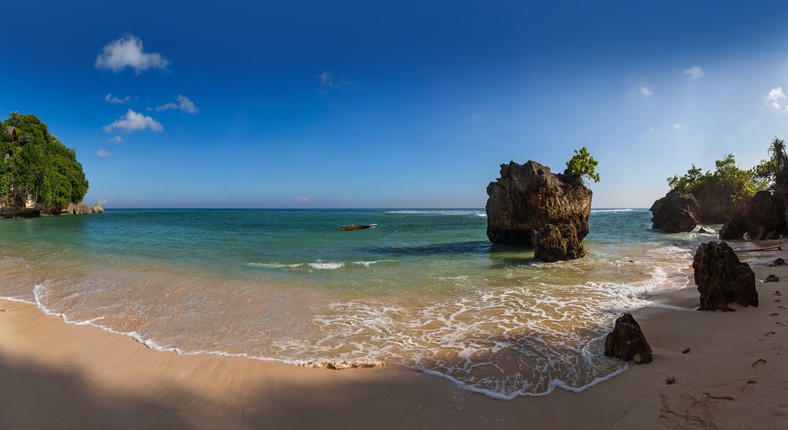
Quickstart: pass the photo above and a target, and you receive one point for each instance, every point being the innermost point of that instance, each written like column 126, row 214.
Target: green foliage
column 737, row 182
column 581, row 165
column 38, row 164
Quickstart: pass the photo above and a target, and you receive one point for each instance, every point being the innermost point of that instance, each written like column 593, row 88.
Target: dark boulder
column 557, row 242
column 771, row 278
column 675, row 213
column 715, row 203
column 734, row 228
column 722, row 279
column 627, row 341
column 528, row 197
column 765, row 217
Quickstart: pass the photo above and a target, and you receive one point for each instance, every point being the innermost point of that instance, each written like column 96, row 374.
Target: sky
column 359, row 104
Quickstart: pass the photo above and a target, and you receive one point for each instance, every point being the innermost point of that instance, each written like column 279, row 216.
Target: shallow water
column 425, row 289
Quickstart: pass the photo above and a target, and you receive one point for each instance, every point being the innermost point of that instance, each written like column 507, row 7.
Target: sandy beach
column 729, row 372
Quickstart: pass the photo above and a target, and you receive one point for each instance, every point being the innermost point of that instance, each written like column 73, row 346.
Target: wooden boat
column 768, row 248
column 358, row 227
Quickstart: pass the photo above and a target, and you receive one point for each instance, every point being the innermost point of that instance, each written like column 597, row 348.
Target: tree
column 38, row 166
column 728, row 177
column 581, row 165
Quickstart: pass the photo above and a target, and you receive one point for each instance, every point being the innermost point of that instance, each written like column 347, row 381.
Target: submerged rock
column 528, row 197
column 675, row 213
column 557, row 242
column 722, row 279
column 627, row 341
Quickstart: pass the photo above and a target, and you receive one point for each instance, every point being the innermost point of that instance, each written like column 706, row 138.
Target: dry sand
column 729, row 368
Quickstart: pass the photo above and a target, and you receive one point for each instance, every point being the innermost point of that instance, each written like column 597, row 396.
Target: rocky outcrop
column 97, row 208
column 675, row 213
column 528, row 197
column 77, row 209
column 734, row 227
column 19, row 213
column 714, row 203
column 627, row 341
column 765, row 217
column 722, row 279
column 557, row 242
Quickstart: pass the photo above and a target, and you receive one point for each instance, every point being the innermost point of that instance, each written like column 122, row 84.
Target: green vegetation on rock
column 35, row 164
column 582, row 165
column 736, row 182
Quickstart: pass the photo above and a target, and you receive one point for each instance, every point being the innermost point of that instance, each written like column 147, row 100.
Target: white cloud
column 694, row 72
column 645, row 91
column 115, row 100
column 133, row 121
column 128, row 52
column 679, row 125
column 327, row 81
column 103, row 153
column 183, row 104
column 775, row 97
column 303, row 199
column 116, row 139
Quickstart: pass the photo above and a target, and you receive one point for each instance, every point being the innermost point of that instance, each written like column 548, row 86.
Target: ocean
column 425, row 289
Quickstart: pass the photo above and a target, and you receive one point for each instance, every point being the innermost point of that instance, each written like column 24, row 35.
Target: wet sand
column 729, row 369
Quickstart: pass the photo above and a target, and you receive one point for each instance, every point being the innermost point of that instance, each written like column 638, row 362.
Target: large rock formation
column 722, row 279
column 675, row 213
column 559, row 242
column 734, row 227
column 765, row 217
column 715, row 203
column 628, row 342
column 528, row 197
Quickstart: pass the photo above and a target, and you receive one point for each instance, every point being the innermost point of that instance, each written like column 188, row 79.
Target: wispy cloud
column 694, row 72
column 128, row 52
column 775, row 97
column 303, row 199
column 116, row 139
column 134, row 121
column 679, row 125
column 183, row 104
column 646, row 92
column 328, row 81
column 116, row 100
column 103, row 153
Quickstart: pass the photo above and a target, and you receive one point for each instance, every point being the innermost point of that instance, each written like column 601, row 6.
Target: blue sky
column 392, row 104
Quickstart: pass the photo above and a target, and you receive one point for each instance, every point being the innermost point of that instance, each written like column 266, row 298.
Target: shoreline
column 56, row 374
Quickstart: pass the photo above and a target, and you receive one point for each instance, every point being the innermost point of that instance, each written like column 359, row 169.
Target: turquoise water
column 424, row 289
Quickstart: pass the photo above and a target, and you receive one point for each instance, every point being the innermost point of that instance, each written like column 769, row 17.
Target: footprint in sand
column 780, row 307
column 769, row 334
column 774, row 314
column 777, row 293
column 779, row 323
column 759, row 363
column 749, row 387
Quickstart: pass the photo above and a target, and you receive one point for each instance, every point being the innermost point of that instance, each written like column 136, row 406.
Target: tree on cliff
column 735, row 182
column 35, row 164
column 582, row 165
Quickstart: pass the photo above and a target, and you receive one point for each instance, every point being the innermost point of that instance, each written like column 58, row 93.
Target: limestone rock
column 527, row 197
column 722, row 279
column 715, row 203
column 557, row 242
column 97, row 208
column 734, row 227
column 765, row 217
column 675, row 213
column 628, row 342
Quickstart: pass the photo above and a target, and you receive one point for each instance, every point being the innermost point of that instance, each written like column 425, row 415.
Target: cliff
column 38, row 174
